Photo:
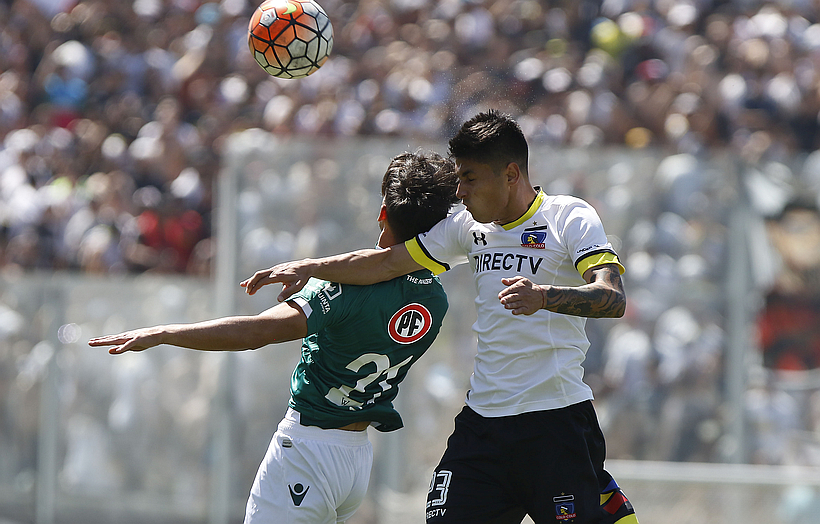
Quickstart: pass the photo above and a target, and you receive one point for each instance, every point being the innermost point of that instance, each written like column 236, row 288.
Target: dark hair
column 418, row 191
column 491, row 138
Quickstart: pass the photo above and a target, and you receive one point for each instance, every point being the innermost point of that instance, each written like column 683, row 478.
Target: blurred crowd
column 114, row 117
column 113, row 113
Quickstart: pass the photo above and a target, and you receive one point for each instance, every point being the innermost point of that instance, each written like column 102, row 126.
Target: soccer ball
column 290, row 38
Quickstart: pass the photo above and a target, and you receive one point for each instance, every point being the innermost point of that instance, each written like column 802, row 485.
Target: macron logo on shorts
column 297, row 493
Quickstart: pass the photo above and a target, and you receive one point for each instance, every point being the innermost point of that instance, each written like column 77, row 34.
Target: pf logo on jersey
column 410, row 323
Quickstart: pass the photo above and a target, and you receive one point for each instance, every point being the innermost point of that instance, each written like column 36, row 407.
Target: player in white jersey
column 517, row 371
column 358, row 344
column 528, row 440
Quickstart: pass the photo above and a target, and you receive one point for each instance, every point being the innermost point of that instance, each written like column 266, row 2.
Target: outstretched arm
column 601, row 297
column 363, row 267
column 278, row 324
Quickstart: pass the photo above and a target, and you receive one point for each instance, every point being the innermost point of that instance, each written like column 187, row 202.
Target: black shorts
column 545, row 464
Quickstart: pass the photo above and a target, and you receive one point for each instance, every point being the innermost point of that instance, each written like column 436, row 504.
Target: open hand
column 292, row 275
column 136, row 340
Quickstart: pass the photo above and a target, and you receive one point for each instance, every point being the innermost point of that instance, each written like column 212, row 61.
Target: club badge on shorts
column 564, row 507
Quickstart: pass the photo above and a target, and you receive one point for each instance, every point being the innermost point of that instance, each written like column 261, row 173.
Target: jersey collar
column 539, row 198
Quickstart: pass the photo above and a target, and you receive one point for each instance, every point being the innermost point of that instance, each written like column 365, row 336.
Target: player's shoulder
column 457, row 224
column 564, row 201
column 421, row 281
column 420, row 286
column 458, row 216
column 314, row 285
column 567, row 207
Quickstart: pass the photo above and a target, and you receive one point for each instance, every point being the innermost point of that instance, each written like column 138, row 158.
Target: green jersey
column 361, row 342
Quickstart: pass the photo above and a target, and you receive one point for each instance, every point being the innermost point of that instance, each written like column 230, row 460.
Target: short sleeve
column 585, row 238
column 443, row 246
column 323, row 303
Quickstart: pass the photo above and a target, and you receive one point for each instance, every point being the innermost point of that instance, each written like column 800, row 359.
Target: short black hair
column 491, row 138
column 419, row 190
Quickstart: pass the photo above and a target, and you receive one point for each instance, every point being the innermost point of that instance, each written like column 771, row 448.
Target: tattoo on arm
column 602, row 297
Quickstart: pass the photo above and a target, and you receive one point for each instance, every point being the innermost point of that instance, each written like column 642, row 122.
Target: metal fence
column 170, row 435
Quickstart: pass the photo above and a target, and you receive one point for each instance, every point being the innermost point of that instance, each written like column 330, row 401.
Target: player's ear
column 383, row 213
column 513, row 173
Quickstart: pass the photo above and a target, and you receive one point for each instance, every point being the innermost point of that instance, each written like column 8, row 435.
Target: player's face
column 484, row 192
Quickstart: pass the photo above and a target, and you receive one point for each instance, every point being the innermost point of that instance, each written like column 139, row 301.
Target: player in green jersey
column 358, row 343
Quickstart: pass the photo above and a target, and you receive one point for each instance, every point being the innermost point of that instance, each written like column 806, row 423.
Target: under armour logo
column 297, row 493
column 479, row 237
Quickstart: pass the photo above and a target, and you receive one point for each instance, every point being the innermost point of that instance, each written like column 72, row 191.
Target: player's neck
column 386, row 238
column 521, row 202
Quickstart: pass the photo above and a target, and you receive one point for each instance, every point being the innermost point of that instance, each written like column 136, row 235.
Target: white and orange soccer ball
column 290, row 38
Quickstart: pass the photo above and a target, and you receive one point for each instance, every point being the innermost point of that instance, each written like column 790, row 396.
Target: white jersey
column 524, row 362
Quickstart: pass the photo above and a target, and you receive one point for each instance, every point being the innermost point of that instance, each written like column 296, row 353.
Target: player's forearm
column 226, row 334
column 278, row 324
column 590, row 300
column 362, row 267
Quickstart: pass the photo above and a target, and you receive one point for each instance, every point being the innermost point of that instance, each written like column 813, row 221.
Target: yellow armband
column 598, row 259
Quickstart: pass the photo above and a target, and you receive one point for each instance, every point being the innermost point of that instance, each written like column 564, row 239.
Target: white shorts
column 310, row 475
